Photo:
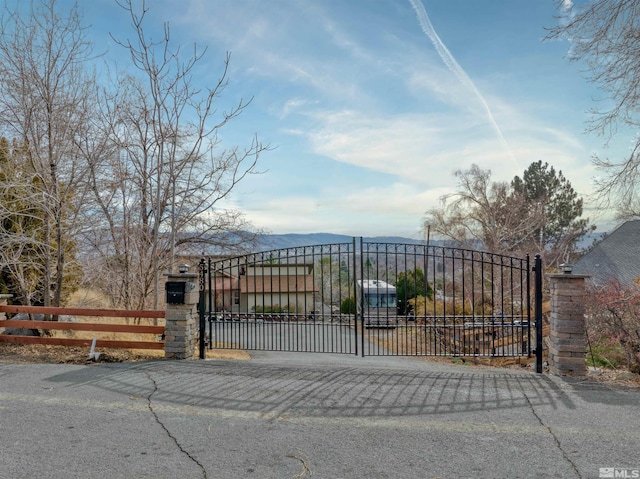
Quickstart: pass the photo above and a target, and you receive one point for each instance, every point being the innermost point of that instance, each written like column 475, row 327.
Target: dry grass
column 238, row 354
column 86, row 298
column 412, row 341
column 43, row 353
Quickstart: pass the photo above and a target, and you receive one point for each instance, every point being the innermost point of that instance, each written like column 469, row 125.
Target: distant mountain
column 281, row 241
column 270, row 242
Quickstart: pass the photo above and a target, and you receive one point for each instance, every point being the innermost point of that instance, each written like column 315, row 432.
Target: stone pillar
column 568, row 342
column 181, row 319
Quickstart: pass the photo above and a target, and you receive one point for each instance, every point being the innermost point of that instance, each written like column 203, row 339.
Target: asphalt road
column 294, row 415
column 311, row 337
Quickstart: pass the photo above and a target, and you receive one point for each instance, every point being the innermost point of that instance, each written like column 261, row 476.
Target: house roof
column 615, row 258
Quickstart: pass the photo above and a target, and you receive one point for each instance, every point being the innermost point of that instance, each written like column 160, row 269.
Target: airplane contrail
column 457, row 70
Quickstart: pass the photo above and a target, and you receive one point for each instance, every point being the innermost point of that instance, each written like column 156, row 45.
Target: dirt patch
column 44, row 353
column 610, row 377
column 615, row 377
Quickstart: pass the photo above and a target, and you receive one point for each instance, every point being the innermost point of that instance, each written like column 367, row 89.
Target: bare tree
column 539, row 213
column 21, row 224
column 481, row 213
column 162, row 173
column 42, row 85
column 604, row 34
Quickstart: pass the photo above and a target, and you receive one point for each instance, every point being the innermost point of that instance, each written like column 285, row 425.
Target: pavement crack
column 555, row 438
column 171, row 436
column 306, row 470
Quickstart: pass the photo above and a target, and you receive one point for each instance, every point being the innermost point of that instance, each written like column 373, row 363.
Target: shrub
column 613, row 325
column 348, row 306
column 426, row 307
column 275, row 309
column 604, row 353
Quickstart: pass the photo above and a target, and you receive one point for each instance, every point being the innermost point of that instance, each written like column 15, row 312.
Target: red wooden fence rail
column 98, row 327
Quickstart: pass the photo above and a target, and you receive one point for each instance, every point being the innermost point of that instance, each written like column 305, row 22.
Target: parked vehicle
column 378, row 303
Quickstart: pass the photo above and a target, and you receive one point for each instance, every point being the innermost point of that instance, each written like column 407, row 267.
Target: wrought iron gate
column 370, row 299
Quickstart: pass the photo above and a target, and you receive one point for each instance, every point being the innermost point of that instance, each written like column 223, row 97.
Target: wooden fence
column 96, row 327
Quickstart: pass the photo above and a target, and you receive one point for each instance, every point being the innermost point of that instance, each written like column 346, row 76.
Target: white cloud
column 394, row 110
column 368, row 211
column 567, row 7
column 436, row 82
column 292, row 105
column 421, row 148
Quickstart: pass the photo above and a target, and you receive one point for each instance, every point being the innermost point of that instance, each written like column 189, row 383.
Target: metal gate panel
column 294, row 299
column 369, row 298
column 451, row 302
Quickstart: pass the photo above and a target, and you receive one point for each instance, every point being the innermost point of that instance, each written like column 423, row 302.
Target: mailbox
column 175, row 292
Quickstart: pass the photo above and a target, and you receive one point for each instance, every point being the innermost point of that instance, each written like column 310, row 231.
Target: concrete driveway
column 296, row 416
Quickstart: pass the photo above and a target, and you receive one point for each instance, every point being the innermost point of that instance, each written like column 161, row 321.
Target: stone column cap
column 567, row 276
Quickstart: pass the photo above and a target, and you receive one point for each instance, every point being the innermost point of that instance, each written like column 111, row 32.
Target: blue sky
column 371, row 110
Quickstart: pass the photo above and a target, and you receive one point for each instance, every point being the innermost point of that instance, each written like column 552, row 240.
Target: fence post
column 568, row 348
column 181, row 326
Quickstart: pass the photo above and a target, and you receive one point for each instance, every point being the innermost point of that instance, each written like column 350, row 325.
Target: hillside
column 280, row 241
column 269, row 242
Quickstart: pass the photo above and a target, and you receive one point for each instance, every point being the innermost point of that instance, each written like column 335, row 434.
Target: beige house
column 276, row 288
column 226, row 292
column 262, row 288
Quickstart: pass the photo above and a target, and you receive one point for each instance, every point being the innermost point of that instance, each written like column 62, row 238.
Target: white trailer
column 378, row 303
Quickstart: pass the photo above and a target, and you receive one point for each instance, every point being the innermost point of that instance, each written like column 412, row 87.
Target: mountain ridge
column 294, row 240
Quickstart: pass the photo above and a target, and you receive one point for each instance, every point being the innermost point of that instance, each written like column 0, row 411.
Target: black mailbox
column 175, row 292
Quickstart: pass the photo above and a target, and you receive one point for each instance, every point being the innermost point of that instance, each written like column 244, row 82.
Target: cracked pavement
column 297, row 416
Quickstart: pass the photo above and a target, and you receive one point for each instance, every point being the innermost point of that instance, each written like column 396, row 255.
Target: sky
column 370, row 106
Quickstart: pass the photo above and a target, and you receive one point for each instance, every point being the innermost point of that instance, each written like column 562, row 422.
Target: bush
column 613, row 325
column 411, row 285
column 605, row 353
column 425, row 307
column 348, row 306
column 275, row 309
